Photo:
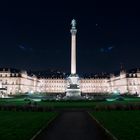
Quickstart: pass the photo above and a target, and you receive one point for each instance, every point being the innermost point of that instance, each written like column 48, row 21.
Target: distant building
column 13, row 81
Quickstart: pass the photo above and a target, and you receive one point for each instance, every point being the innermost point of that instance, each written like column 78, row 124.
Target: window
column 17, row 82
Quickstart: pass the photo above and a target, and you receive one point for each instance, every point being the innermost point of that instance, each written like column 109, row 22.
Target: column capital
column 73, row 31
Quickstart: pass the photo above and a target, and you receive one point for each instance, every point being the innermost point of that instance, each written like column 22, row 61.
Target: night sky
column 35, row 35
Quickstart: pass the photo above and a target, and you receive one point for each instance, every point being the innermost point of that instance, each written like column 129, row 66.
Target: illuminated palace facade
column 14, row 81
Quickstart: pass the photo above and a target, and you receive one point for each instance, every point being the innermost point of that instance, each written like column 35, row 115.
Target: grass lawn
column 125, row 125
column 67, row 104
column 22, row 125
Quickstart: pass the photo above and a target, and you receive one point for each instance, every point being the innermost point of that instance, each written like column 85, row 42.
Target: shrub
column 117, row 107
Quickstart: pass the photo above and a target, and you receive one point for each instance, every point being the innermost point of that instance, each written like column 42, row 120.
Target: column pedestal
column 73, row 88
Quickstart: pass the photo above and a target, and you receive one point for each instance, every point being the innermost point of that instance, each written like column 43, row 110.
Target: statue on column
column 73, row 23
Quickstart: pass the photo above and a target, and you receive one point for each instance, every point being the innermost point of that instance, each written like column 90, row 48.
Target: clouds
column 39, row 50
column 25, row 48
column 107, row 49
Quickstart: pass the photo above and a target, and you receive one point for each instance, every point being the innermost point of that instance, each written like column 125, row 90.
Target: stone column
column 73, row 47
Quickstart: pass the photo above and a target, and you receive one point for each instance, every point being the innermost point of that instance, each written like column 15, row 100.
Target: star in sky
column 96, row 24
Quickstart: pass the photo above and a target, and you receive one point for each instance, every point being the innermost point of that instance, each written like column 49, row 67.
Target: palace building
column 14, row 81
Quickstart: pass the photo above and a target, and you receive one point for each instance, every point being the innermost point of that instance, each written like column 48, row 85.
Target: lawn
column 22, row 125
column 67, row 104
column 125, row 125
